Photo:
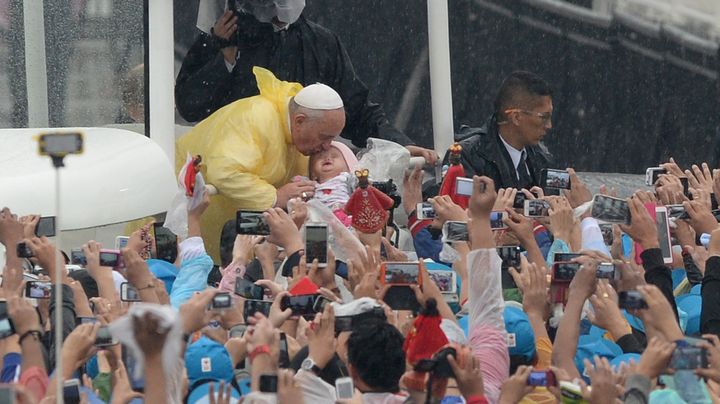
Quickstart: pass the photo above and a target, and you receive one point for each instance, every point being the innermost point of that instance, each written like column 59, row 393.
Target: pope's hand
column 299, row 189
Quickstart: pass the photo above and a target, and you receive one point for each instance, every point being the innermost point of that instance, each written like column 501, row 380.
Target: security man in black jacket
column 217, row 70
column 507, row 149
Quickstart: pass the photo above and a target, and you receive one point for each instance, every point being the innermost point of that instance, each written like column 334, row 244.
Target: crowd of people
column 543, row 341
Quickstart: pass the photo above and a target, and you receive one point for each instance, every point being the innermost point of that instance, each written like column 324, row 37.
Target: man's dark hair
column 227, row 241
column 520, row 90
column 375, row 351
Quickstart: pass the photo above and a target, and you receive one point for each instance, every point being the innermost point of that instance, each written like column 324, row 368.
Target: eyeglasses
column 546, row 117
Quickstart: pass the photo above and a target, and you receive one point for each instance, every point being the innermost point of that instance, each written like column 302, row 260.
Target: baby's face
column 328, row 164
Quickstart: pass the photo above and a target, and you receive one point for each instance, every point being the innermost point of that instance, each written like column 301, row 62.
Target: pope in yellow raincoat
column 254, row 146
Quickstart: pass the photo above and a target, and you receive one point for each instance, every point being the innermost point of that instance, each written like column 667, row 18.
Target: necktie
column 524, row 180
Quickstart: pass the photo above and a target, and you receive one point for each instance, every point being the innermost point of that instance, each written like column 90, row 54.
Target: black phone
column 611, row 210
column 551, row 178
column 284, row 358
column 256, row 306
column 248, row 290
column 631, row 300
column 510, row 256
column 605, row 270
column 165, row 243
column 316, row 243
column 45, row 227
column 252, row 223
column 268, row 383
column 519, row 202
column 302, row 305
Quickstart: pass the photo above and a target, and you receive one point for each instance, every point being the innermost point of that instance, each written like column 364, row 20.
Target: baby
column 331, row 170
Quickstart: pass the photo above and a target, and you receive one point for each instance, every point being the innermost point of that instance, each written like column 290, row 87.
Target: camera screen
column 129, row 293
column 443, row 280
column 256, row 306
column 425, row 211
column 316, row 243
column 401, row 273
column 557, row 179
column 46, row 227
column 61, row 143
column 343, row 323
column 464, row 186
column 301, row 305
column 631, row 299
column 268, row 383
column 536, row 208
column 77, row 257
column 248, row 290
column 537, row 379
column 252, row 223
column 689, row 357
column 165, row 243
column 675, row 210
column 39, row 290
column 663, row 231
column 606, row 271
column 109, row 259
column 456, row 231
column 565, row 271
column 221, row 301
column 496, row 220
column 610, row 209
column 510, row 256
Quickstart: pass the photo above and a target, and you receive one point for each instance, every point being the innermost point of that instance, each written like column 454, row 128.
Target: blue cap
column 634, row 321
column 624, row 358
column 521, row 338
column 201, row 394
column 691, row 305
column 164, row 271
column 207, row 359
column 596, row 332
column 589, row 347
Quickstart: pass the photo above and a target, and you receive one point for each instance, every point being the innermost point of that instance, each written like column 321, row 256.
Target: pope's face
column 313, row 135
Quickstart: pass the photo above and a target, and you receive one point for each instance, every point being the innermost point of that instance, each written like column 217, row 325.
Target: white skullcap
column 319, row 96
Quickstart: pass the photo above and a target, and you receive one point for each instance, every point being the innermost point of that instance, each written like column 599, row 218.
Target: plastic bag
column 385, row 160
column 176, row 217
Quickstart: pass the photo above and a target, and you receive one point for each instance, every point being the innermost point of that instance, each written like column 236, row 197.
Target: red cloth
column 190, row 172
column 369, row 209
column 448, row 185
column 425, row 339
column 304, row 287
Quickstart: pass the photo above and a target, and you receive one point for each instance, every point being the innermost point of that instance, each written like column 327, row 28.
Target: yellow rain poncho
column 247, row 152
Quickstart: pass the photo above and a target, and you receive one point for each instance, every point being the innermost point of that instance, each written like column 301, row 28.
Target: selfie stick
column 57, row 161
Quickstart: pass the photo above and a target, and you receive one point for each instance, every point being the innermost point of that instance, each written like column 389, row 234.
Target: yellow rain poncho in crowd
column 247, row 152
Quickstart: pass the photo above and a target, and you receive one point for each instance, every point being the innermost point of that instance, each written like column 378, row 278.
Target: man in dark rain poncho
column 273, row 34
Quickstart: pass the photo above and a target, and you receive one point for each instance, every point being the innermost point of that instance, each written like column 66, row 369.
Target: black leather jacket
column 483, row 153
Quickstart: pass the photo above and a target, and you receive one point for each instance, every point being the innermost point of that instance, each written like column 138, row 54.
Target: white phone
column 344, row 388
column 663, row 230
column 121, row 242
